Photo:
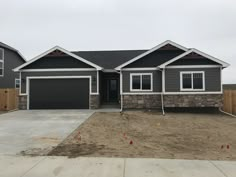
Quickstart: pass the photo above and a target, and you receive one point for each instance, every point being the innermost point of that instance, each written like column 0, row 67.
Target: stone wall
column 200, row 100
column 94, row 101
column 22, row 102
column 141, row 101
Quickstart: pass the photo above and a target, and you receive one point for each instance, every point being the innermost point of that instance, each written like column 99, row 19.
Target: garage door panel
column 59, row 93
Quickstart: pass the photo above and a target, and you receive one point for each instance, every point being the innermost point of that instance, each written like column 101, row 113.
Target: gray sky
column 34, row 26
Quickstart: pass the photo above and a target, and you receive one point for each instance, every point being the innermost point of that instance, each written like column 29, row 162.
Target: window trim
column 141, row 74
column 2, row 61
column 192, row 72
column 19, row 83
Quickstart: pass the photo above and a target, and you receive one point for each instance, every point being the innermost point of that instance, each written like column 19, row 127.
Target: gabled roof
column 150, row 51
column 12, row 49
column 109, row 59
column 62, row 50
column 224, row 64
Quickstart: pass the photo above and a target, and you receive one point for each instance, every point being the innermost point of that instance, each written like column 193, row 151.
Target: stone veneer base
column 198, row 100
column 141, row 101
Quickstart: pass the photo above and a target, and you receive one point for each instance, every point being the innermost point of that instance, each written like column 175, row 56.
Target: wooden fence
column 8, row 99
column 230, row 101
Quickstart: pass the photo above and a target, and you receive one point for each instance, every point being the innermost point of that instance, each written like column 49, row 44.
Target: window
column 17, row 83
column 192, row 80
column 141, row 82
column 1, row 61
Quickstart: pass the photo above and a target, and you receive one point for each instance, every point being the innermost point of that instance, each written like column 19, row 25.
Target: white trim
column 62, row 50
column 141, row 74
column 58, row 69
column 138, row 69
column 141, row 93
column 150, row 51
column 56, row 77
column 191, row 93
column 121, row 82
column 221, row 81
column 23, row 94
column 163, row 80
column 193, row 66
column 224, row 64
column 2, row 61
column 19, row 83
column 192, row 72
column 97, row 81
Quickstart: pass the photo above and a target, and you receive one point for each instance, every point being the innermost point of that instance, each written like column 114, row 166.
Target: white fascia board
column 139, row 69
column 62, row 50
column 58, row 69
column 224, row 64
column 192, row 93
column 193, row 66
column 150, row 51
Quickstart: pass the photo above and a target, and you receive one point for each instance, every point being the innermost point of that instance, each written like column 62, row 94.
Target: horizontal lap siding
column 212, row 79
column 93, row 74
column 157, row 84
column 11, row 61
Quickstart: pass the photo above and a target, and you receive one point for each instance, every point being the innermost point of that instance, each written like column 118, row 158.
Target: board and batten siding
column 93, row 75
column 212, row 79
column 156, row 79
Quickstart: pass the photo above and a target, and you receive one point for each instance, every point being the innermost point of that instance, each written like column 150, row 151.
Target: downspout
column 163, row 90
column 121, row 92
column 226, row 113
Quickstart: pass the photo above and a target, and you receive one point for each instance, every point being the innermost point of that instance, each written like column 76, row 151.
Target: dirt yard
column 149, row 134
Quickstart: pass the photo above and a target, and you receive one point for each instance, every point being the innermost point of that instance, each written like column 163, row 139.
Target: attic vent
column 56, row 53
column 193, row 55
column 168, row 47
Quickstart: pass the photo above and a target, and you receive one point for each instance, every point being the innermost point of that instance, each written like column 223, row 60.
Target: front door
column 112, row 90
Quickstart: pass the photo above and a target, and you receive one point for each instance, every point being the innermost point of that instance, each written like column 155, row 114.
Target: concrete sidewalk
column 20, row 166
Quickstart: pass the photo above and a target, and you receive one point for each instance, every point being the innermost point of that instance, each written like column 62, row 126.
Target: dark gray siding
column 61, row 73
column 11, row 61
column 156, row 76
column 155, row 58
column 57, row 62
column 212, row 79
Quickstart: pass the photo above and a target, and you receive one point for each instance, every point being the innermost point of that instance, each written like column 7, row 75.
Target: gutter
column 121, row 92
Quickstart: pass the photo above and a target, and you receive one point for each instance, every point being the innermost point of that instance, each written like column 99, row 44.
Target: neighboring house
column 10, row 58
column 168, row 75
column 229, row 87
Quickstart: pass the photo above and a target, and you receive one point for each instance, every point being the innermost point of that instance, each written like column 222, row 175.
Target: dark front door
column 113, row 90
column 71, row 93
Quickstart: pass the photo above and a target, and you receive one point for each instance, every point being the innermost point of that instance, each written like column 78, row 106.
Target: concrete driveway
column 37, row 130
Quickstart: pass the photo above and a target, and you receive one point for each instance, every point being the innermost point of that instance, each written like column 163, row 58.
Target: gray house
column 168, row 75
column 10, row 58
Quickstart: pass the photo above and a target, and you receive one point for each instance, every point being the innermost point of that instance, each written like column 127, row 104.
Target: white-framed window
column 141, row 82
column 17, row 83
column 1, row 62
column 192, row 81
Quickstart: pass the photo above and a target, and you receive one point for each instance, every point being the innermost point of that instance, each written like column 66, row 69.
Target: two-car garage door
column 59, row 93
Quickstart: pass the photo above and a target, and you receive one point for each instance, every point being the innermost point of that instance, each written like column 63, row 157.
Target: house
column 168, row 75
column 229, row 87
column 10, row 58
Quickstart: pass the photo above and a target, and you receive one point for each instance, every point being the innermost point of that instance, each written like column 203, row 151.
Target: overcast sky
column 34, row 26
